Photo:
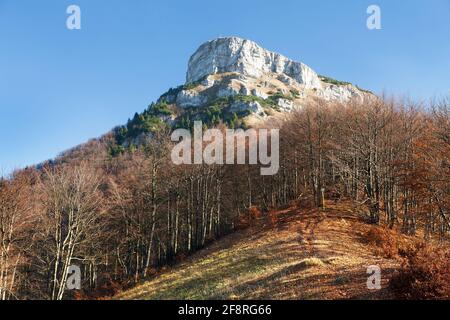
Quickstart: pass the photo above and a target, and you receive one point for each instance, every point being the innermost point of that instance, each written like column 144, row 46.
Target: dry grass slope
column 306, row 254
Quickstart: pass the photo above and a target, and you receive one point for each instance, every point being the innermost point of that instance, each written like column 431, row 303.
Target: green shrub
column 333, row 81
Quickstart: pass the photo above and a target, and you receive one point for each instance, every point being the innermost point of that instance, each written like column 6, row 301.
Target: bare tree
column 72, row 204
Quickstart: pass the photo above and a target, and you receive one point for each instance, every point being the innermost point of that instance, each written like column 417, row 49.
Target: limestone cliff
column 234, row 54
column 240, row 84
column 239, row 76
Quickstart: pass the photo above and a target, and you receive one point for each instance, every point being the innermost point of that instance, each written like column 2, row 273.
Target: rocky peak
column 232, row 54
column 229, row 77
column 238, row 83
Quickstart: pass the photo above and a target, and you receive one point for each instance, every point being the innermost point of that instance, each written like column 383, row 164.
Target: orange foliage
column 273, row 217
column 255, row 213
column 108, row 289
column 424, row 274
column 387, row 242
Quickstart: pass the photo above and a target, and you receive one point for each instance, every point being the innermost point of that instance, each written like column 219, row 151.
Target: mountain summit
column 236, row 82
column 254, row 82
column 234, row 54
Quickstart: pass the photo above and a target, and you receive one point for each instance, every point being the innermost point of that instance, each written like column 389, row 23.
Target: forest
column 121, row 216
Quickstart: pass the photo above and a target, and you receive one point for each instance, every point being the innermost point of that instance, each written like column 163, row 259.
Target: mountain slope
column 231, row 66
column 296, row 254
column 236, row 82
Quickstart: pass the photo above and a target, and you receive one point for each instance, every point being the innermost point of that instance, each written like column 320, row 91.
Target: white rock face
column 208, row 82
column 234, row 54
column 340, row 93
column 285, row 105
column 253, row 107
column 227, row 92
column 245, row 91
column 189, row 98
column 259, row 94
column 285, row 79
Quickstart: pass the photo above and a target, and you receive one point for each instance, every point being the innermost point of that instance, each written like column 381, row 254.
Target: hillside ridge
column 294, row 254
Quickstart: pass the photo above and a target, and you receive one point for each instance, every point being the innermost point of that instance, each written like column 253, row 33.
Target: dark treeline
column 121, row 218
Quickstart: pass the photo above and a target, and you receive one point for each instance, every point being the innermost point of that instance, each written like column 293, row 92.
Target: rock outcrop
column 240, row 77
column 236, row 83
column 234, row 54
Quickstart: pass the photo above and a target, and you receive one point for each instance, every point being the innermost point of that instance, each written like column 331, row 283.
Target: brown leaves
column 424, row 274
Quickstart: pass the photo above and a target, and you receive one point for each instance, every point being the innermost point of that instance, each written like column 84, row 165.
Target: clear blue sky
column 58, row 88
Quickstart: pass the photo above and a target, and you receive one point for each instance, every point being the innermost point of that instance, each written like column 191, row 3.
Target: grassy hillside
column 290, row 254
